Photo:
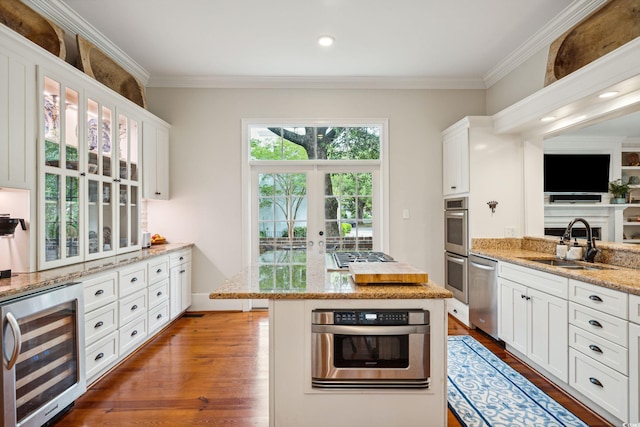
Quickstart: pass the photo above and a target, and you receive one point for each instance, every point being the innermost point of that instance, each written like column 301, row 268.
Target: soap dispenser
column 575, row 252
column 561, row 249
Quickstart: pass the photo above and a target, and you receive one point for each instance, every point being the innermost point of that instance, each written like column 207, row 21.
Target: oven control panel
column 365, row 317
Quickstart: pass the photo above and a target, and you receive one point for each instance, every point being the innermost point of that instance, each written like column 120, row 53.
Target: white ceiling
column 452, row 40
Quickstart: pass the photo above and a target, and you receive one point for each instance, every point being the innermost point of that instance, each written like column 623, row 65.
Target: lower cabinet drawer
column 159, row 293
column 132, row 306
column 101, row 354
column 100, row 290
column 609, row 354
column 603, row 385
column 158, row 316
column 601, row 324
column 100, row 322
column 132, row 334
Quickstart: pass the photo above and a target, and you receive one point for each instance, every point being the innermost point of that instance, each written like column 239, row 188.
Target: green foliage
column 618, row 188
column 276, row 149
column 298, row 232
column 346, row 228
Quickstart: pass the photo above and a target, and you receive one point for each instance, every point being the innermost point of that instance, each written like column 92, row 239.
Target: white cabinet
column 180, row 282
column 17, row 121
column 533, row 316
column 455, row 162
column 156, row 160
column 634, row 358
column 89, row 150
column 598, row 363
column 630, row 167
column 158, row 293
column 485, row 167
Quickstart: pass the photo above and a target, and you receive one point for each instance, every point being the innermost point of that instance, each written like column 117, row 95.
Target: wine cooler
column 43, row 355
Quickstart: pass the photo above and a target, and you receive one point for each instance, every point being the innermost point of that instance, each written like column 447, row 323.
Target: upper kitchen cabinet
column 155, row 151
column 17, row 120
column 455, row 161
column 487, row 169
column 630, row 167
column 89, row 178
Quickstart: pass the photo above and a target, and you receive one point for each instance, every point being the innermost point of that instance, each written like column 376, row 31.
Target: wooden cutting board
column 366, row 273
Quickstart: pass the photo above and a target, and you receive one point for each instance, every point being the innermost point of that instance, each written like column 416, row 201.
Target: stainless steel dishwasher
column 483, row 294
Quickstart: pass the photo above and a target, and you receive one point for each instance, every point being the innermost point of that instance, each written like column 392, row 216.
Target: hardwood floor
column 213, row 370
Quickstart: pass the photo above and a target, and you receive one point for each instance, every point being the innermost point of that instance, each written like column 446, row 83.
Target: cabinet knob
column 595, row 348
column 134, row 333
column 134, row 307
column 134, row 279
column 595, row 323
column 158, row 271
column 159, row 294
column 159, row 316
column 595, row 381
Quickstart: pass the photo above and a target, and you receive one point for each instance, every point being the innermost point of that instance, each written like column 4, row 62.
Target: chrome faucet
column 592, row 251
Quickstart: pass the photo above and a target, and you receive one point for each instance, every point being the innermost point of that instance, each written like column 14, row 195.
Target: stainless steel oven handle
column 456, row 213
column 456, row 260
column 17, row 338
column 370, row 330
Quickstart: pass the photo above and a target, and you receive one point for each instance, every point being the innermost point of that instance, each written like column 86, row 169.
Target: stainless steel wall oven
column 456, row 245
column 43, row 355
column 370, row 348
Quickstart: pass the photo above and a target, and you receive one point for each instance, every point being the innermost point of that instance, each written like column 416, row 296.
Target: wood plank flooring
column 213, row 370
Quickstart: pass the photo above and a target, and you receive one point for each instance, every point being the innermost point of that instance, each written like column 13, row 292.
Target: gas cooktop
column 342, row 259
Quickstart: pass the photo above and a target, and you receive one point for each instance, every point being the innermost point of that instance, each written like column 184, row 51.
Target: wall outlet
column 509, row 232
column 405, row 214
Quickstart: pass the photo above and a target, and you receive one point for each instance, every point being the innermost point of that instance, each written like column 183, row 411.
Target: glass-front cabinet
column 89, row 179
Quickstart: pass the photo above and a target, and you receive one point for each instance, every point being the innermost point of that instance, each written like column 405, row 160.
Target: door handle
column 483, row 267
column 17, row 337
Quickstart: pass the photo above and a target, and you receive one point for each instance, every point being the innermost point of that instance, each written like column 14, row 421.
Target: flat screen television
column 576, row 173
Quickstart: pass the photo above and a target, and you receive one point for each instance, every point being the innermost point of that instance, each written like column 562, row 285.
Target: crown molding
column 572, row 15
column 72, row 23
column 296, row 82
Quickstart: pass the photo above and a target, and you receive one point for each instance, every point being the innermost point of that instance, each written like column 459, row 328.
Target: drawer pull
column 523, row 296
column 595, row 348
column 134, row 333
column 99, row 356
column 159, row 316
column 595, row 323
column 181, row 258
column 595, row 381
column 134, row 307
column 99, row 292
column 595, row 298
column 99, row 324
column 134, row 279
column 159, row 294
column 183, row 271
column 159, row 271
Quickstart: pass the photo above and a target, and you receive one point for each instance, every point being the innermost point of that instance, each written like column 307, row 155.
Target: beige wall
column 205, row 206
column 518, row 84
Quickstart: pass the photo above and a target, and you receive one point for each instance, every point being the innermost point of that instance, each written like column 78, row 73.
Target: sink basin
column 571, row 265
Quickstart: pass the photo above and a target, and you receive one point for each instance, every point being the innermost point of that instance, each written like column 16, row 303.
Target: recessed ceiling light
column 605, row 95
column 547, row 119
column 326, row 40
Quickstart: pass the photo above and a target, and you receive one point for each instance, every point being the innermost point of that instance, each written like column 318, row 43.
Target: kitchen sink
column 571, row 265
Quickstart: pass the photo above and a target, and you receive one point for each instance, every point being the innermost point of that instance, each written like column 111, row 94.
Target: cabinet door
column 61, row 182
column 513, row 314
column 455, row 152
column 634, row 373
column 548, row 332
column 128, row 183
column 175, row 291
column 185, row 286
column 17, row 122
column 156, row 162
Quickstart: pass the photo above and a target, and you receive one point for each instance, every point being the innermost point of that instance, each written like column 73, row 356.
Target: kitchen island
column 293, row 399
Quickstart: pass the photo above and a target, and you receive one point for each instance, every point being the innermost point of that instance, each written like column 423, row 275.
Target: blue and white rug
column 483, row 391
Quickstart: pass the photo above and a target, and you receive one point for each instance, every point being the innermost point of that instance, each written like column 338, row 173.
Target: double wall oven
column 386, row 348
column 456, row 246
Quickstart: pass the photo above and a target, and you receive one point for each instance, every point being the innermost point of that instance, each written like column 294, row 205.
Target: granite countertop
column 619, row 277
column 26, row 283
column 319, row 283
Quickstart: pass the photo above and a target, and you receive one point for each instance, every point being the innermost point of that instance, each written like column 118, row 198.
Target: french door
column 301, row 212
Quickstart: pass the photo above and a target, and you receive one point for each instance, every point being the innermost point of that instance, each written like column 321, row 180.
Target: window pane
column 314, row 143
